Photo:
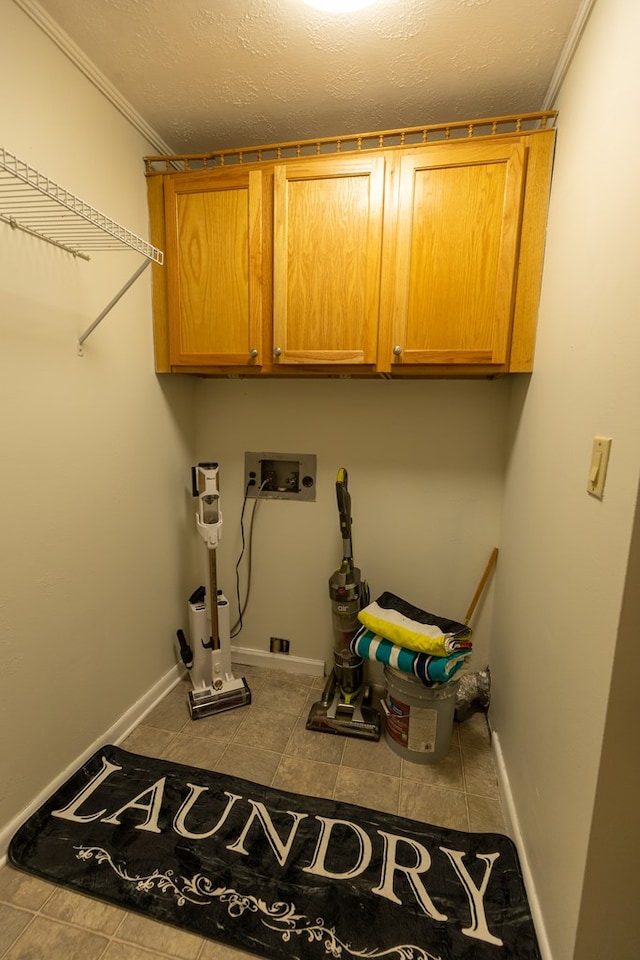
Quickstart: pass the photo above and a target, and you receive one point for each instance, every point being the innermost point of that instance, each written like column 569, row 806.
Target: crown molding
column 570, row 47
column 88, row 68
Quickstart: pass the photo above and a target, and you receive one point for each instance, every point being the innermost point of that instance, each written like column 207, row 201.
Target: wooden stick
column 485, row 576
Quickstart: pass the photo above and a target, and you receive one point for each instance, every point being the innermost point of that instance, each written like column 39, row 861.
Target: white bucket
column 418, row 719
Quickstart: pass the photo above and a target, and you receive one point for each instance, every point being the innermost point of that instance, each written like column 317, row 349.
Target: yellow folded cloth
column 407, row 626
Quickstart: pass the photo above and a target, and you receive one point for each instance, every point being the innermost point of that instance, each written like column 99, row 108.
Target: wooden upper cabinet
column 326, row 268
column 412, row 259
column 214, row 246
column 451, row 263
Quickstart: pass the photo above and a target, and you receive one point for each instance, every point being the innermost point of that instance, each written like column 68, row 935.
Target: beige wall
column 564, row 554
column 94, row 450
column 607, row 922
column 425, row 462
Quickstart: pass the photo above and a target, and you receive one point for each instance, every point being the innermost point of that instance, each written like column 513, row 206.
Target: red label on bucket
column 413, row 728
column 397, row 720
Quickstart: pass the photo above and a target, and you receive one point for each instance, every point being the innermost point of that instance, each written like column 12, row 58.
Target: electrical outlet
column 278, row 645
column 280, row 476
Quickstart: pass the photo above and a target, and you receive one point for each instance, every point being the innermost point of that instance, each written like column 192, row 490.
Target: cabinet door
column 454, row 270
column 214, row 262
column 327, row 240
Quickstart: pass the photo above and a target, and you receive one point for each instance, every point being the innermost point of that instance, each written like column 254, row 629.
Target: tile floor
column 265, row 742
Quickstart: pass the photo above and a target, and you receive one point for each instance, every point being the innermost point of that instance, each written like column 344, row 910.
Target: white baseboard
column 514, row 831
column 132, row 717
column 115, row 734
column 282, row 662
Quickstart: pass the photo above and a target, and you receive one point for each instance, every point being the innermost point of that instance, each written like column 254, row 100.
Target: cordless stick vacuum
column 345, row 706
column 208, row 657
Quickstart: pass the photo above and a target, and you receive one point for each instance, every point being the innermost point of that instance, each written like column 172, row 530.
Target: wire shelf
column 31, row 202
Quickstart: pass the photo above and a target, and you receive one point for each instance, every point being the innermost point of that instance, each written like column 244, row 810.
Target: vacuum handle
column 344, row 507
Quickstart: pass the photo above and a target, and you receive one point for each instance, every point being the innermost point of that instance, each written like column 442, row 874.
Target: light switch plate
column 598, row 466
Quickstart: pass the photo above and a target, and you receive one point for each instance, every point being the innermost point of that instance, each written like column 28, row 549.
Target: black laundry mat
column 274, row 873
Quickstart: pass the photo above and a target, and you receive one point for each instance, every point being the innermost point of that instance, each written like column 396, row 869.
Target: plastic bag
column 474, row 693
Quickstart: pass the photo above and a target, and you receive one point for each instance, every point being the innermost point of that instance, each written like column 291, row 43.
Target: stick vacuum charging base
column 208, row 701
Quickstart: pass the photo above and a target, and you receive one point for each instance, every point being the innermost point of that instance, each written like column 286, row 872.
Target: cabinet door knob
column 397, row 350
column 253, row 353
column 277, row 352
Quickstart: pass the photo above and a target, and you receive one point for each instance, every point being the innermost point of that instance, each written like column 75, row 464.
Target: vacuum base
column 345, row 719
column 205, row 703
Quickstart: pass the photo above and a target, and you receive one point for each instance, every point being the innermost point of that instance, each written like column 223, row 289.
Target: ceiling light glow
column 339, row 6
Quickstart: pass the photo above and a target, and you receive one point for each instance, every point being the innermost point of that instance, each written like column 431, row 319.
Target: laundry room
column 101, row 551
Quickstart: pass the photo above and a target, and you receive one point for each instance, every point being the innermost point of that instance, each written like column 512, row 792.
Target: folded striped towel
column 397, row 620
column 431, row 670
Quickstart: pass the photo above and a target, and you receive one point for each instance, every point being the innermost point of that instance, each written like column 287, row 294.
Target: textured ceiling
column 232, row 73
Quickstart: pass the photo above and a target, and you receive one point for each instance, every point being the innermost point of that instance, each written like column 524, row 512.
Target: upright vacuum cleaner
column 208, row 656
column 345, row 706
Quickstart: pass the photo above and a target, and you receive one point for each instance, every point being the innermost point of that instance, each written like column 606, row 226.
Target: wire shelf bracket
column 31, row 202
